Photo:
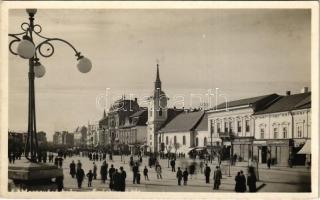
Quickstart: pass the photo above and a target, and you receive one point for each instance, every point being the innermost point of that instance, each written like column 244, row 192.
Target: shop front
column 280, row 151
column 242, row 147
column 260, row 151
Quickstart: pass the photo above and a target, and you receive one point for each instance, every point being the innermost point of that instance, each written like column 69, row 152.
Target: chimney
column 288, row 93
column 304, row 90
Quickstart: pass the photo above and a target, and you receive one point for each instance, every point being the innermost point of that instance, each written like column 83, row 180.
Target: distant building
column 134, row 131
column 118, row 113
column 63, row 138
column 80, row 136
column 93, row 135
column 179, row 135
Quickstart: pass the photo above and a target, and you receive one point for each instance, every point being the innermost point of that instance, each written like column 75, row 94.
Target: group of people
column 116, row 177
column 242, row 182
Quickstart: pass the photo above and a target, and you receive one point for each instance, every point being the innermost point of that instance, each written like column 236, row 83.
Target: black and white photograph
column 159, row 99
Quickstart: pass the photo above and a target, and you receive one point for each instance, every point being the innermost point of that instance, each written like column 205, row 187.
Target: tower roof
column 158, row 75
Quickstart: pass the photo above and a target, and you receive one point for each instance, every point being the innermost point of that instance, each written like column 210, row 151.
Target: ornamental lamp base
column 29, row 176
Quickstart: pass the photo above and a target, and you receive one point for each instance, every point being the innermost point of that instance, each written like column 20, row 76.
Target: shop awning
column 306, row 149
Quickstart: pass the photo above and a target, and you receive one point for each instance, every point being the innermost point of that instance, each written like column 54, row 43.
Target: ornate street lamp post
column 27, row 49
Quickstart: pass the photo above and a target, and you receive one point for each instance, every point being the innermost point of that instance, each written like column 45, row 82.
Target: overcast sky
column 244, row 53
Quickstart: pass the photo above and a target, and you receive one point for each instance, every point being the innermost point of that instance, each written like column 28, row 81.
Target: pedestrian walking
column 111, row 173
column 90, row 177
column 159, row 171
column 135, row 170
column 72, row 169
column 238, row 183
column 217, row 176
column 251, row 181
column 138, row 177
column 179, row 176
column 80, row 176
column 207, row 172
column 173, row 165
column 269, row 162
column 185, row 176
column 79, row 165
column 145, row 173
column 243, row 186
column 123, row 176
column 95, row 171
column 103, row 172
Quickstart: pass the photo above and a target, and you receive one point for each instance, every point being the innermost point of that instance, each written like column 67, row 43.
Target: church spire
column 157, row 83
column 104, row 114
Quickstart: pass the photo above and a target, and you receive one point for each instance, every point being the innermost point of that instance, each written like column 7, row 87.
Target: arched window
column 205, row 142
column 175, row 140
column 197, row 141
column 160, row 112
column 262, row 133
column 167, row 140
column 275, row 132
column 184, row 140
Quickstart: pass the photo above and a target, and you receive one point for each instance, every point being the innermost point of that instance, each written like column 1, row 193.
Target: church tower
column 157, row 114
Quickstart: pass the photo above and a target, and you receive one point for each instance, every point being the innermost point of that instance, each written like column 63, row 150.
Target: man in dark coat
column 251, row 182
column 217, row 176
column 238, row 183
column 173, row 165
column 80, row 176
column 135, row 170
column 72, row 169
column 179, row 176
column 123, row 176
column 111, row 172
column 243, row 181
column 269, row 162
column 103, row 172
column 145, row 173
column 116, row 180
column 94, row 171
column 185, row 176
column 207, row 171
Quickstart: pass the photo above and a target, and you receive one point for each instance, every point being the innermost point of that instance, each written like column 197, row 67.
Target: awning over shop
column 306, row 149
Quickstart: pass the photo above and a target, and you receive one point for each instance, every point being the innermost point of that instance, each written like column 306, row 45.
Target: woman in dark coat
column 237, row 179
column 251, row 182
column 72, row 169
column 185, row 176
column 243, row 186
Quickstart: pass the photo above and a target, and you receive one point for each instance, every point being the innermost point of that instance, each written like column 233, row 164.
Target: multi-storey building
column 233, row 124
column 283, row 128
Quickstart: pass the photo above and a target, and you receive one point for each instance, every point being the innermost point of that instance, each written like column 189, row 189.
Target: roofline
column 229, row 108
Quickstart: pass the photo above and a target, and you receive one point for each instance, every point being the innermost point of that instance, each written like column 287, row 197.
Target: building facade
column 232, row 125
column 80, row 136
column 282, row 129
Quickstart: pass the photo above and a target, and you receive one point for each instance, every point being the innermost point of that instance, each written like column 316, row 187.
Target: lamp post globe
column 26, row 49
column 84, row 65
column 39, row 70
column 31, row 11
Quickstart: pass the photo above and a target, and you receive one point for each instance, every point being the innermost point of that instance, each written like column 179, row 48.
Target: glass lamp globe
column 26, row 49
column 84, row 65
column 31, row 11
column 39, row 70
